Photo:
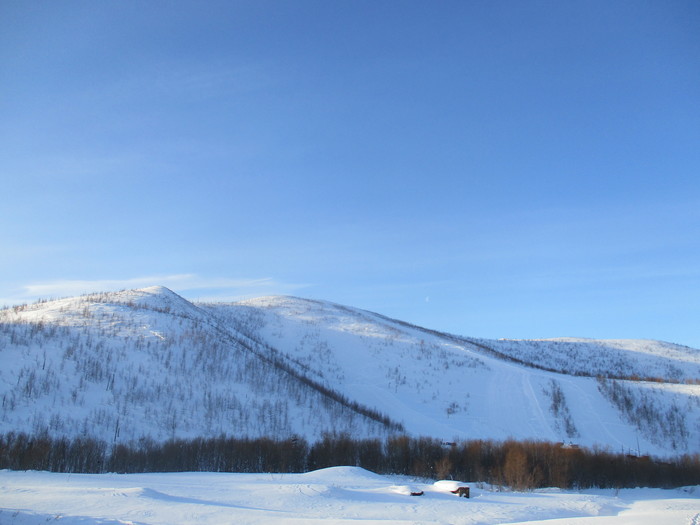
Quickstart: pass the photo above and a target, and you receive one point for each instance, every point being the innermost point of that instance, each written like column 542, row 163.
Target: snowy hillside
column 120, row 366
column 623, row 358
column 124, row 365
column 451, row 387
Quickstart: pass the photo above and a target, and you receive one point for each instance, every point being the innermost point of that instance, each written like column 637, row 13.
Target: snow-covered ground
column 337, row 495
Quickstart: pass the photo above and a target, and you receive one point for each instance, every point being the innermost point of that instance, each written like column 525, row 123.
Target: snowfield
column 337, row 495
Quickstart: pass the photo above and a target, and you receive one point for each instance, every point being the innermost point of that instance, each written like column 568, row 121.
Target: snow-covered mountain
column 148, row 363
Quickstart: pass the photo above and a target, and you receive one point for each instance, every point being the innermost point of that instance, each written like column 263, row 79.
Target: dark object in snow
column 417, row 493
column 461, row 491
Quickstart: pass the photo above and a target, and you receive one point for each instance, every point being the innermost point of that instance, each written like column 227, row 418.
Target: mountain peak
column 157, row 290
column 149, row 293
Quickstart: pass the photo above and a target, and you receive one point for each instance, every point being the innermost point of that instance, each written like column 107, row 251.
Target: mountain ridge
column 149, row 363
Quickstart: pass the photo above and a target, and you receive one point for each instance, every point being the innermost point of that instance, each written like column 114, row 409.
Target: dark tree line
column 521, row 465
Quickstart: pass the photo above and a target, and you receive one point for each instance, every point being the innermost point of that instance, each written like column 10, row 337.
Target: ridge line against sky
column 190, row 286
column 494, row 169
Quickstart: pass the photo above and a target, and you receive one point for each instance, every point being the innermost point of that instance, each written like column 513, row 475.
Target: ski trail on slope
column 539, row 414
column 511, row 387
column 592, row 411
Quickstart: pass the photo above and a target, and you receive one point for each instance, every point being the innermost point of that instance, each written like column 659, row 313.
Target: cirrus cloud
column 190, row 285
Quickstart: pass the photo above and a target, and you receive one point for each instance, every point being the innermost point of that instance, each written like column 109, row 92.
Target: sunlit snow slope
column 453, row 387
column 149, row 363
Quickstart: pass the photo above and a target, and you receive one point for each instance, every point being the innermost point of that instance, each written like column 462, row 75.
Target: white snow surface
column 446, row 386
column 147, row 362
column 333, row 496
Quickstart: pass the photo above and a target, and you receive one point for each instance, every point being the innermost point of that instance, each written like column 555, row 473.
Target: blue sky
column 496, row 169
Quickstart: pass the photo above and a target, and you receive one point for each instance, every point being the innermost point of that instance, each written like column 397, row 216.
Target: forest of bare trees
column 520, row 465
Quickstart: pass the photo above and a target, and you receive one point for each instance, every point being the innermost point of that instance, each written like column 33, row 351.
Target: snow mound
column 448, row 485
column 342, row 475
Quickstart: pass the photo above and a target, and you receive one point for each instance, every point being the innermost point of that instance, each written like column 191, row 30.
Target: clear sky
column 488, row 168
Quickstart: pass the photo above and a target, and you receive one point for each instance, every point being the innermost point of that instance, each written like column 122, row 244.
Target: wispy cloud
column 63, row 288
column 191, row 285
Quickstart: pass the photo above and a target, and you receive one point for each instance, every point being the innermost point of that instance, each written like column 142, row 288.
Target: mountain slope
column 451, row 387
column 124, row 365
column 621, row 358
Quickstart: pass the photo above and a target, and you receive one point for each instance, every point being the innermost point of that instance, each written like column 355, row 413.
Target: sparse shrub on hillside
column 590, row 359
column 657, row 419
column 560, row 410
